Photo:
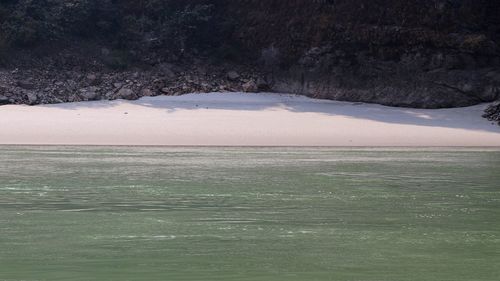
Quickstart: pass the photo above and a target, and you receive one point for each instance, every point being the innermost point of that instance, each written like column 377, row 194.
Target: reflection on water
column 133, row 213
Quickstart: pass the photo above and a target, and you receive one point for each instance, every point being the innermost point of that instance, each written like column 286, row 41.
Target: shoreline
column 242, row 119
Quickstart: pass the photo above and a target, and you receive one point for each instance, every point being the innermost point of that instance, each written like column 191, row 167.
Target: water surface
column 134, row 213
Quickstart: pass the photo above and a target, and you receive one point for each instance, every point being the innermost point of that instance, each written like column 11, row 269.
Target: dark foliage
column 125, row 24
column 232, row 29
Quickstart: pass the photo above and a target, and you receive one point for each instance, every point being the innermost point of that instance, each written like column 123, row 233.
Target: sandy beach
column 238, row 119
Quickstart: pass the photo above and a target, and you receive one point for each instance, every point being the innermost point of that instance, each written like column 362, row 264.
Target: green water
column 109, row 213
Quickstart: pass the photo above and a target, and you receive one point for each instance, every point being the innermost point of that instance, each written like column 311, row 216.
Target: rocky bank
column 46, row 86
column 412, row 53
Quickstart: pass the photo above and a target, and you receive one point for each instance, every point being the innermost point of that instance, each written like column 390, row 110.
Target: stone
column 126, row 93
column 110, row 95
column 146, row 92
column 233, row 76
column 250, row 87
column 168, row 70
column 26, row 85
column 262, row 84
column 491, row 93
column 4, row 100
column 73, row 98
column 117, row 85
column 89, row 95
column 492, row 113
column 169, row 74
column 32, row 98
column 91, row 77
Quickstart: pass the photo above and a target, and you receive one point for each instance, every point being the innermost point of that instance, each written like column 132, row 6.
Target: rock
column 110, row 95
column 491, row 93
column 32, row 98
column 169, row 73
column 250, row 87
column 233, row 76
column 146, row 92
column 91, row 77
column 26, row 85
column 4, row 100
column 117, row 85
column 89, row 93
column 168, row 70
column 262, row 84
column 126, row 93
column 165, row 90
column 492, row 113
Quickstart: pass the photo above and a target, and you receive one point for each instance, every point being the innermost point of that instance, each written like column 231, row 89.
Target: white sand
column 243, row 119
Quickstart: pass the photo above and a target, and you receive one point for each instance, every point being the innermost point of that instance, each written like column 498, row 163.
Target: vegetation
column 270, row 31
column 160, row 24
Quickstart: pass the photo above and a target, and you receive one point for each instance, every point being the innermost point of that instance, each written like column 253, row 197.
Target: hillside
column 414, row 53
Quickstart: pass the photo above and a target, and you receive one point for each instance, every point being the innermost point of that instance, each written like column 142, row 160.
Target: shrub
column 28, row 22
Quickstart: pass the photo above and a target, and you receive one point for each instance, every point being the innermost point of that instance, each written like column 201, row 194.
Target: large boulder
column 126, row 93
column 32, row 98
column 250, row 87
column 4, row 100
column 27, row 85
column 492, row 113
column 233, row 76
column 90, row 93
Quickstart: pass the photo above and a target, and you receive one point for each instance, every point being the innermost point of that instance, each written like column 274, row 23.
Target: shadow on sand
column 461, row 118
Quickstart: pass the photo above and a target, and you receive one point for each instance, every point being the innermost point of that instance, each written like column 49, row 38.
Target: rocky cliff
column 416, row 53
column 433, row 53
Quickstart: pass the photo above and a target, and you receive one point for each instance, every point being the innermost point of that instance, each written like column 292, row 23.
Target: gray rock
column 32, row 98
column 233, row 76
column 74, row 98
column 126, row 93
column 4, row 100
column 262, row 84
column 110, row 95
column 492, row 113
column 491, row 93
column 26, row 85
column 91, row 77
column 168, row 70
column 146, row 92
column 250, row 87
column 89, row 95
column 169, row 73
